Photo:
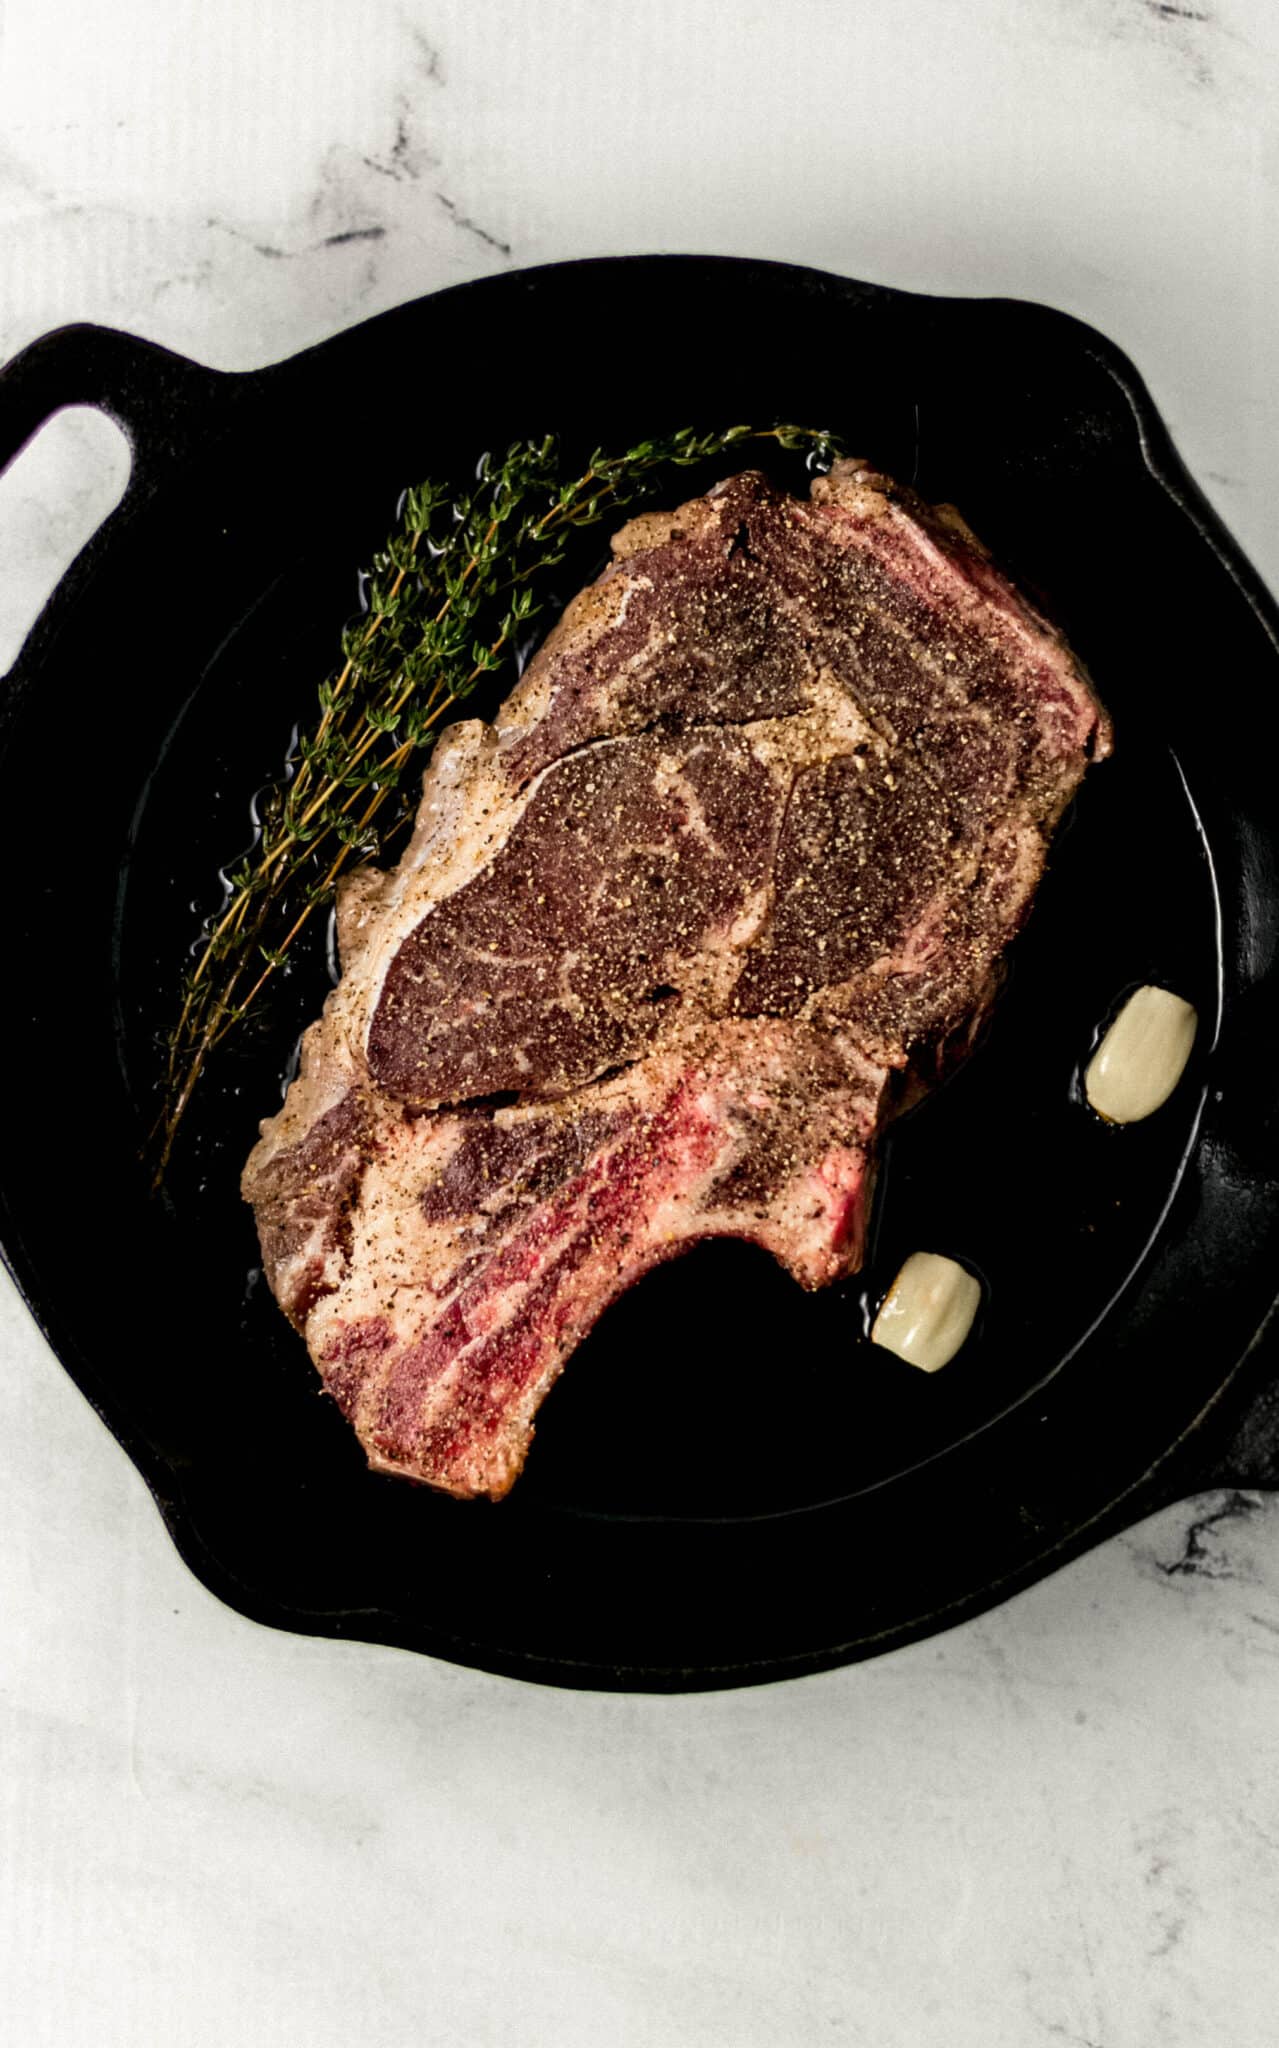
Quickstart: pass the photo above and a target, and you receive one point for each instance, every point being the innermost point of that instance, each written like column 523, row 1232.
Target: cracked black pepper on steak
column 745, row 845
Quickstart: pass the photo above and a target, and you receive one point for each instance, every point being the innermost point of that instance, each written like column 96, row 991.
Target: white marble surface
column 1057, row 1824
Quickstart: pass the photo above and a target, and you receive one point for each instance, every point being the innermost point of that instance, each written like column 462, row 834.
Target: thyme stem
column 449, row 594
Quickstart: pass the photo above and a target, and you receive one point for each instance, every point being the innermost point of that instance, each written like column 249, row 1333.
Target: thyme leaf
column 450, row 595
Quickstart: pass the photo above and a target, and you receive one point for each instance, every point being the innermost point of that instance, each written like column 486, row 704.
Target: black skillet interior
column 729, row 1483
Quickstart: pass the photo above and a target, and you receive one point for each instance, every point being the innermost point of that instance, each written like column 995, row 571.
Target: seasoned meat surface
column 746, row 843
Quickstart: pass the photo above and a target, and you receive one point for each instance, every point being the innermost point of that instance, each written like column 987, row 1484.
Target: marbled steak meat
column 745, row 843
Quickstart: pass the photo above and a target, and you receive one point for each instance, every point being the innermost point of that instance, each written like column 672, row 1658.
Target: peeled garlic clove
column 928, row 1311
column 1142, row 1057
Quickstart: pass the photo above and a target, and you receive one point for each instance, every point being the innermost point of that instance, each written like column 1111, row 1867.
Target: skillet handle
column 161, row 400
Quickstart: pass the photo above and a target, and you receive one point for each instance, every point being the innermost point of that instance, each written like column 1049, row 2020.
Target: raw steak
column 730, row 871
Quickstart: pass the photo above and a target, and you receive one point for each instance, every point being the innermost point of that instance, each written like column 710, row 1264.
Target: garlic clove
column 1142, row 1056
column 928, row 1311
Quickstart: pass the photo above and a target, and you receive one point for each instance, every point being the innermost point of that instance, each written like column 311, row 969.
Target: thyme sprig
column 450, row 597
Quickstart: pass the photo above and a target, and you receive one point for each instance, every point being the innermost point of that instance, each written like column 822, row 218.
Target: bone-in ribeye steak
column 746, row 842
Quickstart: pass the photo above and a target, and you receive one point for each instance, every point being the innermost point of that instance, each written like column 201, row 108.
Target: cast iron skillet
column 729, row 1484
